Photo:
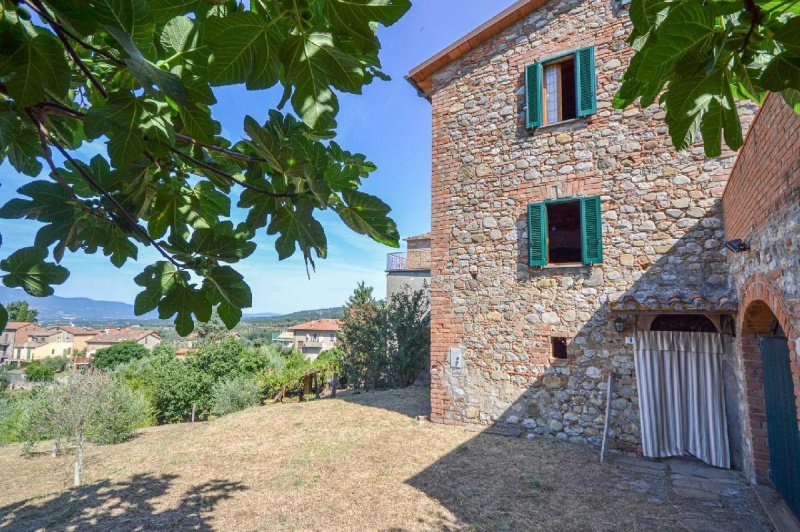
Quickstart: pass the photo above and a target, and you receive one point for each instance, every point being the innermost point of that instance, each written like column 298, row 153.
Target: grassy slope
column 362, row 463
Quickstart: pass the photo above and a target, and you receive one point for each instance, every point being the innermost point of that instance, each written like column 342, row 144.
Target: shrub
column 57, row 364
column 169, row 384
column 109, row 357
column 216, row 360
column 124, row 411
column 234, row 394
column 9, row 418
column 385, row 344
column 38, row 372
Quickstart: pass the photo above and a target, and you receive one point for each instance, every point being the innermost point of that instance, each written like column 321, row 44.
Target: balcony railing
column 397, row 261
column 417, row 259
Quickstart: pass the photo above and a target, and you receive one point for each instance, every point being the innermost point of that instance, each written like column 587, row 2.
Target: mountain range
column 85, row 311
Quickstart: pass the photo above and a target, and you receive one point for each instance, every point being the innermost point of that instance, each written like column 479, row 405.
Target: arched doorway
column 771, row 402
column 683, row 322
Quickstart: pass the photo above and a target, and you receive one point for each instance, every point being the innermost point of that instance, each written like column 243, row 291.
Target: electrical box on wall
column 456, row 355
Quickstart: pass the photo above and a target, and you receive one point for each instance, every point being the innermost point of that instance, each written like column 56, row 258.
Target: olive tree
column 83, row 408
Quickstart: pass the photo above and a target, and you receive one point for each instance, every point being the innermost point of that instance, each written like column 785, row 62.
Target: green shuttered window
column 533, row 82
column 567, row 83
column 591, row 231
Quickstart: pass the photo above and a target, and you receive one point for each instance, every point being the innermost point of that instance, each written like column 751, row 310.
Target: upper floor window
column 561, row 88
column 565, row 232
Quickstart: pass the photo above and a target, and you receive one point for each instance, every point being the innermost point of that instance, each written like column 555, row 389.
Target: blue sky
column 389, row 123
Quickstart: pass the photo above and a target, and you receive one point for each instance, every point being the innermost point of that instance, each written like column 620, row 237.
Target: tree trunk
column 334, row 384
column 79, row 460
column 56, row 448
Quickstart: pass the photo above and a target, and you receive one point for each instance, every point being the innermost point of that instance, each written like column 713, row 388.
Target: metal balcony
column 397, row 261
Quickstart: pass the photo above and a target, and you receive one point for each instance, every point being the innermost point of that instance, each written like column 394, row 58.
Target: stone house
column 410, row 269
column 42, row 342
column 15, row 332
column 313, row 337
column 571, row 241
column 146, row 337
column 80, row 335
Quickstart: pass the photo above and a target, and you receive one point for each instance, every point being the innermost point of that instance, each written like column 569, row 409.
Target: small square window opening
column 558, row 90
column 558, row 347
column 564, row 232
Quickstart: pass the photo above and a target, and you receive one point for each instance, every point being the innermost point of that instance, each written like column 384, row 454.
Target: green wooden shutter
column 592, row 229
column 585, row 82
column 537, row 234
column 533, row 91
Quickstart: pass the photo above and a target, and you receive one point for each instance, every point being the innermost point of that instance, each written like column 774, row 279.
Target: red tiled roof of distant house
column 120, row 335
column 318, row 325
column 78, row 331
column 43, row 331
column 14, row 325
column 423, row 236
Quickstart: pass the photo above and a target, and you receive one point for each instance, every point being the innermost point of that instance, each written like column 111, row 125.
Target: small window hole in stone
column 558, row 347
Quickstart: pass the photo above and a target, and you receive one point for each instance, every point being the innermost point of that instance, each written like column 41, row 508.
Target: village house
column 42, row 342
column 570, row 241
column 15, row 332
column 313, row 337
column 409, row 270
column 80, row 335
column 146, row 337
column 284, row 339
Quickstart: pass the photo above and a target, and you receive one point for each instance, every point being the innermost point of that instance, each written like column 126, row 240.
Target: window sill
column 570, row 265
column 557, row 125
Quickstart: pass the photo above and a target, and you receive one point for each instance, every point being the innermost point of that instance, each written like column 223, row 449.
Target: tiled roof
column 14, row 325
column 420, row 76
column 317, row 325
column 423, row 236
column 43, row 331
column 78, row 331
column 118, row 335
column 676, row 301
column 28, row 344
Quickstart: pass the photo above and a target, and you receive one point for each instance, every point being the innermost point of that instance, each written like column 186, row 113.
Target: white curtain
column 681, row 400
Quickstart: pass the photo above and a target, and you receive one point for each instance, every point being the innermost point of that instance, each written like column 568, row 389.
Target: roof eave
column 420, row 76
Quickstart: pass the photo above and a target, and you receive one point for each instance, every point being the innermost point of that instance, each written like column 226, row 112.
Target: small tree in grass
column 38, row 372
column 234, row 394
column 119, row 353
column 91, row 407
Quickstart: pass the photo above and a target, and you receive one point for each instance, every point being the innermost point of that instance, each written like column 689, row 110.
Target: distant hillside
column 295, row 317
column 79, row 310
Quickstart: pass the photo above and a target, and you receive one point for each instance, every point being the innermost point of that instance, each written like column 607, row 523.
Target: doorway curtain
column 681, row 401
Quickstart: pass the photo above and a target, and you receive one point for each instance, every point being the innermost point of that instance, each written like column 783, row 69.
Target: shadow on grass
column 127, row 505
column 412, row 401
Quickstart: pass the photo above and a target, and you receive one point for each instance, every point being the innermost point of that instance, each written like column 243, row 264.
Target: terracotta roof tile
column 318, row 325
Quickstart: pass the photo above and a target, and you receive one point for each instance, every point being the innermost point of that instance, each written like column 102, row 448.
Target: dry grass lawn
column 357, row 463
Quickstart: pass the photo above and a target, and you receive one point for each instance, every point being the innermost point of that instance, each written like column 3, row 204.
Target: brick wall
column 767, row 173
column 762, row 206
column 662, row 232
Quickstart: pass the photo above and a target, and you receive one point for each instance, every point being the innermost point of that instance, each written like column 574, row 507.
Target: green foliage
column 234, row 394
column 10, row 414
column 119, row 353
column 95, row 407
column 385, row 345
column 287, row 378
column 56, row 364
column 700, row 57
column 38, row 372
column 125, row 410
column 140, row 76
column 21, row 311
column 169, row 384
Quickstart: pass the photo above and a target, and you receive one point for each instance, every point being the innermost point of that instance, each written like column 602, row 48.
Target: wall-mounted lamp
column 619, row 325
column 737, row 246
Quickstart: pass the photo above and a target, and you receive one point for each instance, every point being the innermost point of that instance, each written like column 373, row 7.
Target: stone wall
column 662, row 232
column 762, row 207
